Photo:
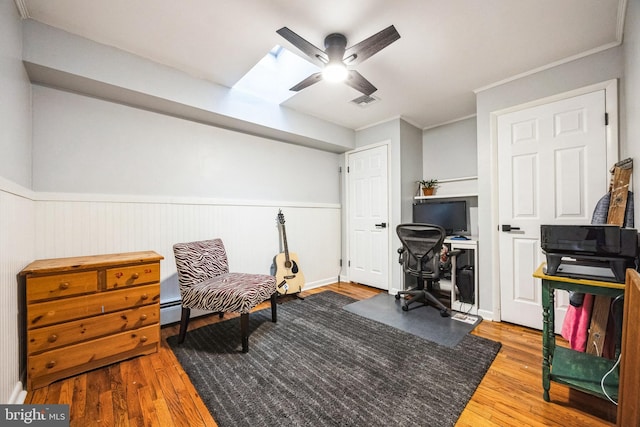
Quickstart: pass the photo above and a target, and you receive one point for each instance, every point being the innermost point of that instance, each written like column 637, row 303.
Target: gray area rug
column 321, row 365
column 421, row 320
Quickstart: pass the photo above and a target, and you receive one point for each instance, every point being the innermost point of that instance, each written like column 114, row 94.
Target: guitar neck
column 284, row 240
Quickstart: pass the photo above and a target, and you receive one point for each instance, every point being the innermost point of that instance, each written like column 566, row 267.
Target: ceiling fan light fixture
column 334, row 72
column 336, row 57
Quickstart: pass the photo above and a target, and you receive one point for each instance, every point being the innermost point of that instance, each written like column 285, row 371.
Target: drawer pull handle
column 64, row 285
column 51, row 364
column 143, row 339
column 143, row 317
column 53, row 338
column 144, row 297
column 134, row 276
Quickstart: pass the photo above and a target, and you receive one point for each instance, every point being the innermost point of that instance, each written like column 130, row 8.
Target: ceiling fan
column 335, row 59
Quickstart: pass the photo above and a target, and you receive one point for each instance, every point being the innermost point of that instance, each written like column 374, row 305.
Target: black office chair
column 420, row 258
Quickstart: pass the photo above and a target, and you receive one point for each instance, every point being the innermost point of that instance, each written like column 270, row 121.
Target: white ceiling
column 447, row 49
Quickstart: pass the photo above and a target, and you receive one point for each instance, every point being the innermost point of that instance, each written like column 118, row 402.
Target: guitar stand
column 296, row 296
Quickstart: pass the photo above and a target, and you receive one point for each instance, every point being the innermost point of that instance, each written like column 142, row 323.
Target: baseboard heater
column 171, row 303
column 170, row 312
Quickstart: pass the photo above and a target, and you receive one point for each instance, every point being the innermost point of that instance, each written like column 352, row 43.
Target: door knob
column 382, row 225
column 507, row 227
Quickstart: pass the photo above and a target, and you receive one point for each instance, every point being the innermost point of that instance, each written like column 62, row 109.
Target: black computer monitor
column 450, row 215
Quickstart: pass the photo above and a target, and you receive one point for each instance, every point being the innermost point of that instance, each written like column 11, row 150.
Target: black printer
column 600, row 252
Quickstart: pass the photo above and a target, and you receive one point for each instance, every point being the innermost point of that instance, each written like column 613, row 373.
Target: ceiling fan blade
column 359, row 83
column 317, row 56
column 313, row 78
column 370, row 46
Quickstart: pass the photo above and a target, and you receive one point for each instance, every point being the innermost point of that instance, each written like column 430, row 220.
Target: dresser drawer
column 91, row 352
column 61, row 285
column 51, row 337
column 131, row 276
column 51, row 312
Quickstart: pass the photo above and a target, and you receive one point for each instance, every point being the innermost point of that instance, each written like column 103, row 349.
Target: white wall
column 410, row 167
column 451, row 150
column 631, row 97
column 86, row 145
column 15, row 100
column 596, row 68
column 16, row 210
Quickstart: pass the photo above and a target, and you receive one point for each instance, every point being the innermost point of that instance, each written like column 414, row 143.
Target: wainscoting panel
column 250, row 232
column 16, row 251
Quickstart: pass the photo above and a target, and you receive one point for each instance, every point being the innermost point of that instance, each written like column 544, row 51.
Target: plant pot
column 428, row 191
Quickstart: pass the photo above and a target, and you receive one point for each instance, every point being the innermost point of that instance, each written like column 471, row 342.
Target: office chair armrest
column 400, row 255
column 454, row 252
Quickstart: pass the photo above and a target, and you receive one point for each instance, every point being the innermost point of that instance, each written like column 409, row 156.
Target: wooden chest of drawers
column 87, row 312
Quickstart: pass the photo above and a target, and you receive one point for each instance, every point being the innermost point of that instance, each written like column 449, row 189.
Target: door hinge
column 340, row 262
column 339, row 169
column 606, row 119
column 348, row 170
column 349, row 263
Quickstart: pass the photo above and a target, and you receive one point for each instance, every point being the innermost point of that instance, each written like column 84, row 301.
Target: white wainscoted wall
column 75, row 225
column 45, row 225
column 16, row 251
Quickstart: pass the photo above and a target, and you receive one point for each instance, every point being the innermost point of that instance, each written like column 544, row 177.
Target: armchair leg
column 274, row 305
column 184, row 323
column 244, row 331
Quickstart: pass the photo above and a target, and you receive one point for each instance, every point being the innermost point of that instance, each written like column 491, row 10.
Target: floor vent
column 365, row 100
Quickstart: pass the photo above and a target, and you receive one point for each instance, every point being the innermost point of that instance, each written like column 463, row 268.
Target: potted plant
column 428, row 186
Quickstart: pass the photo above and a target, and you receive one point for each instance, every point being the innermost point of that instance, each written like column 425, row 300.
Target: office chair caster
column 404, row 306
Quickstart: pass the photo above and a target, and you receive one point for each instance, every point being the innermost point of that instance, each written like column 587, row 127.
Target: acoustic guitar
column 289, row 278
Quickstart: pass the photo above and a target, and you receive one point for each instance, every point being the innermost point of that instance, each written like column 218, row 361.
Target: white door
column 368, row 217
column 553, row 168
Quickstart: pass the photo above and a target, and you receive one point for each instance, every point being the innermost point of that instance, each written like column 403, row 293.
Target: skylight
column 271, row 78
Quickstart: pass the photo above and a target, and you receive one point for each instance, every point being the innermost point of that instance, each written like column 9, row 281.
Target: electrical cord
column 615, row 365
column 605, row 376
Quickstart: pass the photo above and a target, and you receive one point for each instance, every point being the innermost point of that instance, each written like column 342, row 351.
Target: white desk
column 471, row 248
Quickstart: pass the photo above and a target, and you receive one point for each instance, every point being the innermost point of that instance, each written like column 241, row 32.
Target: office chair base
column 419, row 295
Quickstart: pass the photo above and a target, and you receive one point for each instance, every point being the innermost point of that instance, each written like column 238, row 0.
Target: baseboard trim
column 18, row 395
column 486, row 314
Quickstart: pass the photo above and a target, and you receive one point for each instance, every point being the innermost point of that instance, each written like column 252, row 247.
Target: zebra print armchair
column 206, row 284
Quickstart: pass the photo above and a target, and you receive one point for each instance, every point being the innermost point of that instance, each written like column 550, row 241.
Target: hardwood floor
column 154, row 390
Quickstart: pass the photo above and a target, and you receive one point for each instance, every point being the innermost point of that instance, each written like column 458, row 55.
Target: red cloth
column 575, row 328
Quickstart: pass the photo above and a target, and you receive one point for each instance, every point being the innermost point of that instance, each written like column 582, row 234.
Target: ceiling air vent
column 365, row 100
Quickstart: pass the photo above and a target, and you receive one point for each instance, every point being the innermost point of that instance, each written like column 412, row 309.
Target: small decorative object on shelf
column 428, row 186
